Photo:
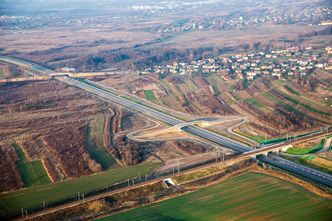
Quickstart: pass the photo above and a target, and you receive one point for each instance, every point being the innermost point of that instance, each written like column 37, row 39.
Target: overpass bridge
column 269, row 149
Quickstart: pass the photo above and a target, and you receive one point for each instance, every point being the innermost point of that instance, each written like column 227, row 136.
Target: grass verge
column 95, row 144
column 318, row 162
column 302, row 151
column 261, row 140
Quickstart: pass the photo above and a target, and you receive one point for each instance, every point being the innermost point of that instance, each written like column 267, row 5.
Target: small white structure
column 168, row 182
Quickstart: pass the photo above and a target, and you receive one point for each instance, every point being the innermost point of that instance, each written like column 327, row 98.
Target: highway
column 200, row 132
column 298, row 169
column 21, row 62
column 217, row 138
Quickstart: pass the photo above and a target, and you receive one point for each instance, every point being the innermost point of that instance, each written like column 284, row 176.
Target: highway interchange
column 203, row 133
column 273, row 160
column 276, row 161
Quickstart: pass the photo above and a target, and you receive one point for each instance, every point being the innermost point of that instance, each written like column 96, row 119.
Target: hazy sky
column 16, row 7
column 21, row 7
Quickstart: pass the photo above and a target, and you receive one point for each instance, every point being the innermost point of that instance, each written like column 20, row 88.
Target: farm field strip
column 292, row 90
column 319, row 162
column 191, row 85
column 230, row 200
column 277, row 100
column 214, row 83
column 149, row 95
column 96, row 147
column 32, row 172
column 305, row 96
column 97, row 130
column 255, row 102
column 12, row 202
column 303, row 103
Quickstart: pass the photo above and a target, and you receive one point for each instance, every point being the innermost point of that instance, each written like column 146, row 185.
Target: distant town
column 314, row 16
column 294, row 61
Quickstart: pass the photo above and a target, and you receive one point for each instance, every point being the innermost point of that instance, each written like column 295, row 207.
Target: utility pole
column 44, row 205
column 146, row 178
column 78, row 196
column 133, row 181
column 139, row 176
column 22, row 212
column 128, row 182
column 83, row 197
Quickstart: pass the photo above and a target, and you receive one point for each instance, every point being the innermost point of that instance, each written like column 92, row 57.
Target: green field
column 247, row 197
column 302, row 151
column 97, row 130
column 96, row 146
column 149, row 95
column 272, row 97
column 2, row 74
column 213, row 80
column 32, row 172
column 103, row 157
column 19, row 152
column 13, row 202
column 296, row 102
column 255, row 102
column 292, row 90
column 310, row 108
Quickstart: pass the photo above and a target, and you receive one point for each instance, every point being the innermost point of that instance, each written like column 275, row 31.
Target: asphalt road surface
column 302, row 170
column 32, row 65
